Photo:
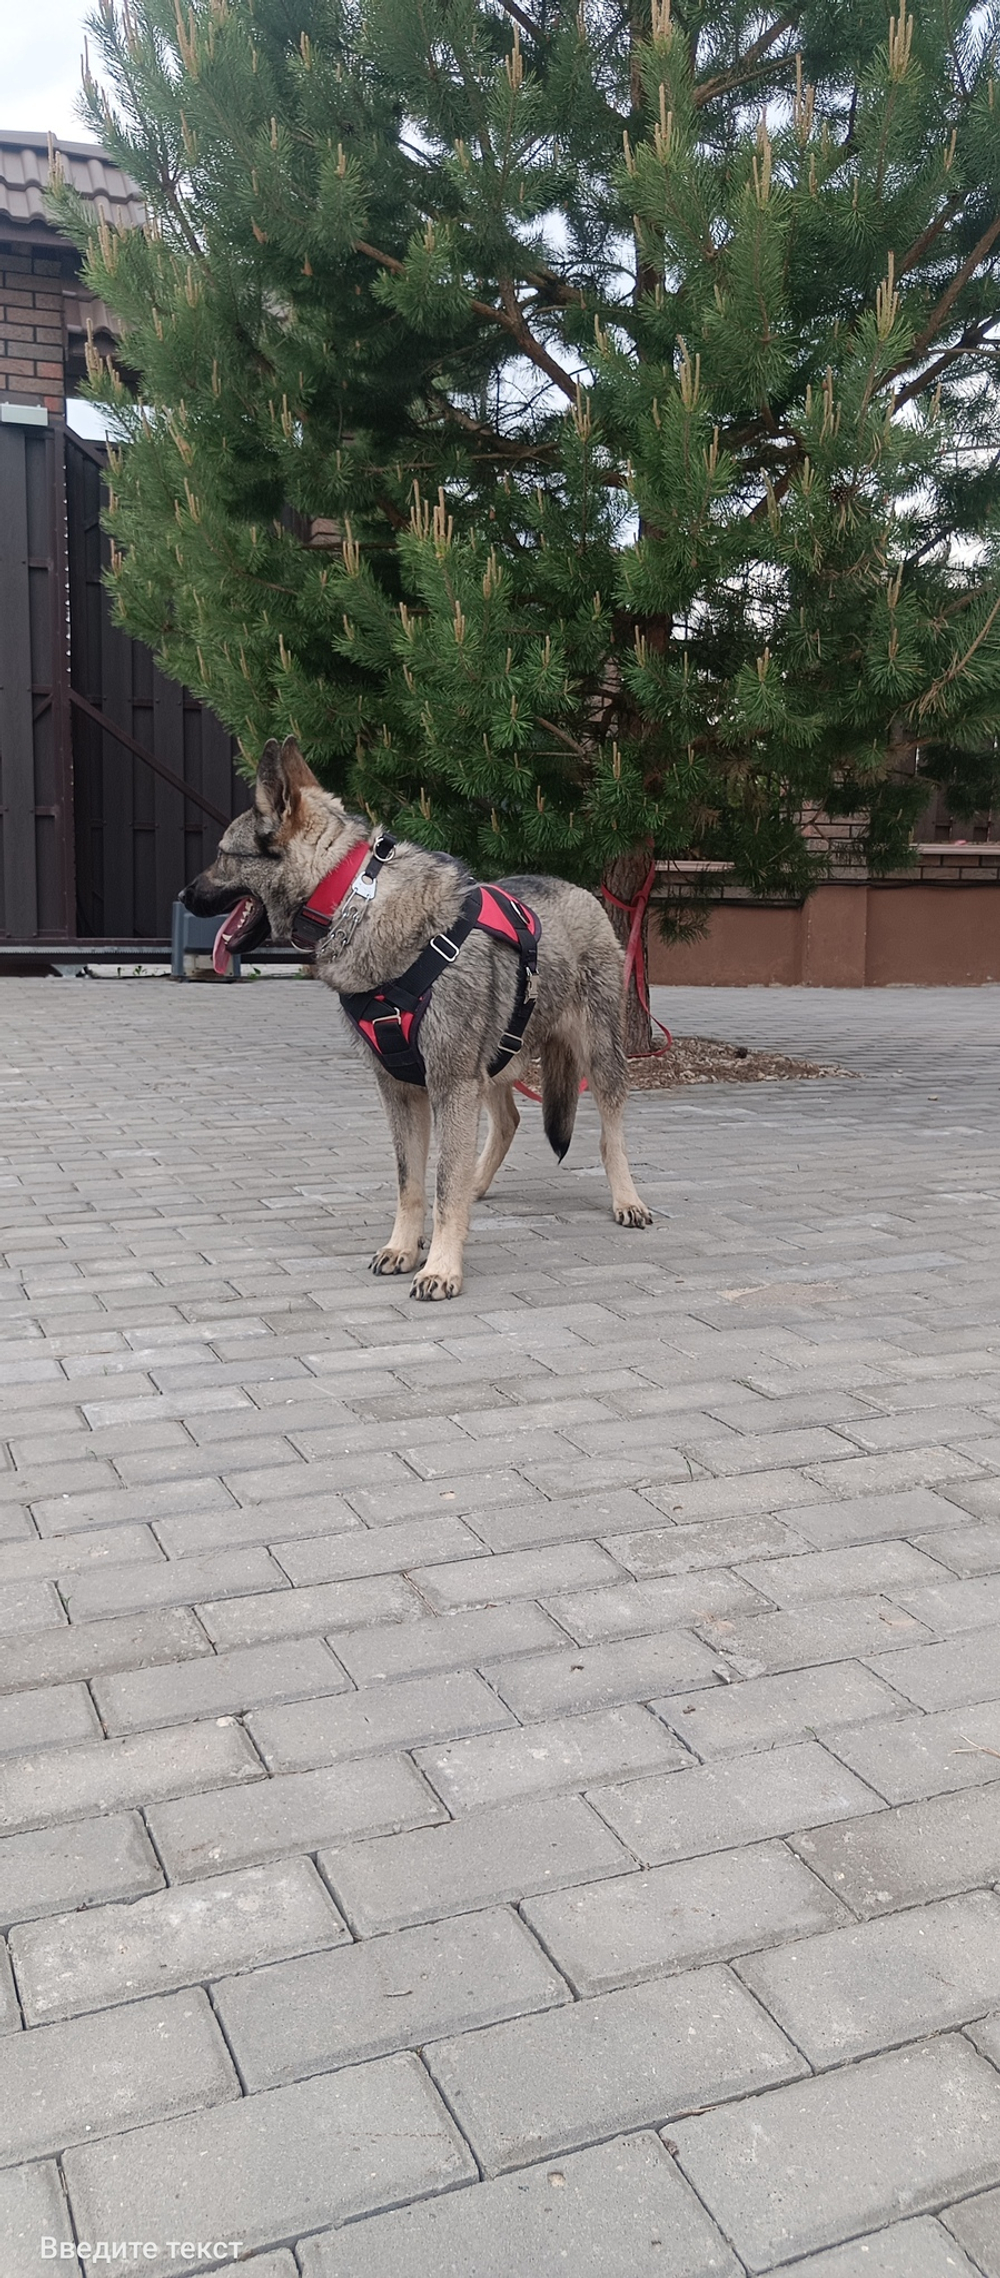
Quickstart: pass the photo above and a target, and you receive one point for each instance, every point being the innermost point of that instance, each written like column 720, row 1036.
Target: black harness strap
column 389, row 1018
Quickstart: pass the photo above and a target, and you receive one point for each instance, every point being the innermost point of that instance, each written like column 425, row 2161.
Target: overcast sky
column 41, row 42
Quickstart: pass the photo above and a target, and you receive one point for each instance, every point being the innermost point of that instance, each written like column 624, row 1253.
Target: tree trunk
column 625, row 879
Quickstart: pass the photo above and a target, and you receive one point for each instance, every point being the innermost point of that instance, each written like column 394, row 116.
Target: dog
column 271, row 862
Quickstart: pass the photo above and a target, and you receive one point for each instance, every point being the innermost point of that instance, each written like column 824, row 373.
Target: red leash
column 635, row 962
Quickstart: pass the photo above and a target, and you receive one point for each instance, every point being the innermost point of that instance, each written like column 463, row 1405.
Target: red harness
column 389, row 1017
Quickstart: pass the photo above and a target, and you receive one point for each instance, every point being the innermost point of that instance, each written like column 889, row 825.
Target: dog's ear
column 282, row 776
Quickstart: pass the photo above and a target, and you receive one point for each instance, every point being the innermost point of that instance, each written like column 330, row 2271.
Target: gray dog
column 550, row 964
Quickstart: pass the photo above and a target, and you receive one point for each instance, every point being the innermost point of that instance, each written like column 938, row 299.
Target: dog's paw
column 429, row 1286
column 633, row 1214
column 389, row 1260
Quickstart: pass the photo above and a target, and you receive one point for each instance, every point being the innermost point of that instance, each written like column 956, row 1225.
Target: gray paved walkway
column 508, row 1788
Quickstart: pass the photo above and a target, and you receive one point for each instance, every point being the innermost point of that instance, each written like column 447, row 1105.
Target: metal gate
column 115, row 782
column 35, row 773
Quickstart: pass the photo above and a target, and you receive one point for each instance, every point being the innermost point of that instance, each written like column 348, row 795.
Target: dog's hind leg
column 409, row 1116
column 456, row 1118
column 503, row 1116
column 607, row 1070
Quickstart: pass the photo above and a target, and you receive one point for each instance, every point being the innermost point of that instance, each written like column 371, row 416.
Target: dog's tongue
column 231, row 931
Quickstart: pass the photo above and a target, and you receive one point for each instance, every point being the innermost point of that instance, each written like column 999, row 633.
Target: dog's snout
column 205, row 897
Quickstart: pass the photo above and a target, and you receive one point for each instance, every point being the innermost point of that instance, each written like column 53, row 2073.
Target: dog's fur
column 280, row 849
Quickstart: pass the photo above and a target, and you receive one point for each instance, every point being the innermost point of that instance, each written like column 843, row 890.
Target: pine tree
column 641, row 367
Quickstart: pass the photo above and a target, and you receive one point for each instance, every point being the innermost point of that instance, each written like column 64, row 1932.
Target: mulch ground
column 706, row 1060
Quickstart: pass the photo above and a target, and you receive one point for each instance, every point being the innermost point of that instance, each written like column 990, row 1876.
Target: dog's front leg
column 456, row 1118
column 409, row 1115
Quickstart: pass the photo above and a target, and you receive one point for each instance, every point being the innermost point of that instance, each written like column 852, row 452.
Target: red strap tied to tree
column 635, row 955
column 635, row 962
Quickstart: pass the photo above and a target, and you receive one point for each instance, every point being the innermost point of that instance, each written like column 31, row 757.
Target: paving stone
column 33, row 2208
column 149, row 1467
column 919, row 2249
column 79, row 1865
column 220, row 1684
column 874, row 1518
column 45, row 1717
column 174, row 1581
column 945, row 1675
column 726, row 1720
column 388, row 1506
column 670, row 1918
column 604, row 2213
column 284, row 1612
column 494, row 1855
column 763, row 2168
column 873, row 1985
column 63, row 2083
column 177, row 1937
column 278, row 2265
column 312, row 1515
column 693, row 1502
column 980, row 1496
column 964, row 1550
column 514, row 1574
column 828, row 1630
column 272, row 2166
column 377, row 1550
column 387, row 1993
column 565, row 1518
column 599, row 1676
column 876, row 1474
column 948, row 1606
column 567, row 1752
column 28, row 1605
column 626, row 1607
column 62, row 1514
column 889, row 1568
column 198, row 1834
column 976, row 2225
column 550, row 2083
column 445, row 1641
column 741, row 1800
column 682, row 1550
column 66, row 1554
column 906, row 1757
column 441, row 1707
column 47, row 1657
column 109, row 1775
column 911, row 1853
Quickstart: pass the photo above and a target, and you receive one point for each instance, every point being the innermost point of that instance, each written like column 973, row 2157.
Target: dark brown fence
column 114, row 781
column 35, row 777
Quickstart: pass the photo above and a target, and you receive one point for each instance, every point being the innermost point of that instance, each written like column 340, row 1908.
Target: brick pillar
column 32, row 337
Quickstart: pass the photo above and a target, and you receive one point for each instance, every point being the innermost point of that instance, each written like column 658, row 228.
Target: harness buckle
column 382, row 1019
column 389, row 845
column 364, row 888
column 509, row 1043
column 444, row 947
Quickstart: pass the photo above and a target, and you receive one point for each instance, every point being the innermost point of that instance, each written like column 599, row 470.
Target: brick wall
column 32, row 339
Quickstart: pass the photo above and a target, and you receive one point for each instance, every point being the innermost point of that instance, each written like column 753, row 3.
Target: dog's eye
column 270, row 853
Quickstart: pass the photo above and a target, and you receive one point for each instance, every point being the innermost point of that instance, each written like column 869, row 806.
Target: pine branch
column 974, row 336
column 956, row 669
column 514, row 319
column 930, row 235
column 750, row 66
column 948, row 299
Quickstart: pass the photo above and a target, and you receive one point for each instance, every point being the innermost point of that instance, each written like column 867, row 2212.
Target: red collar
column 328, row 895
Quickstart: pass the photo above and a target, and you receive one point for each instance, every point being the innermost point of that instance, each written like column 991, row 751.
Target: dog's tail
column 560, row 1092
